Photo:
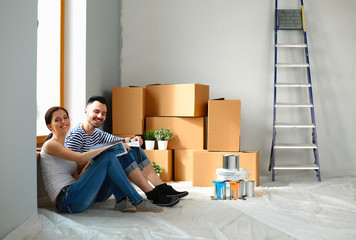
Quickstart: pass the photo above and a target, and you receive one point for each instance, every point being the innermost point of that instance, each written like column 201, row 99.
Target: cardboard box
column 183, row 165
column 128, row 110
column 188, row 132
column 205, row 164
column 125, row 135
column 177, row 100
column 164, row 159
column 224, row 118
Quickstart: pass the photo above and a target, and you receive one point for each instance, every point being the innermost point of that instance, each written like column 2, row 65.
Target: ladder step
column 289, row 19
column 293, row 105
column 293, row 85
column 296, row 167
column 291, row 45
column 285, row 65
column 294, row 146
column 294, row 125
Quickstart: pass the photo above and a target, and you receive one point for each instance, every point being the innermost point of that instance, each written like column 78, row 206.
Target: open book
column 117, row 147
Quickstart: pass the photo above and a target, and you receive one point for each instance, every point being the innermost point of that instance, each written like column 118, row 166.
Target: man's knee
column 128, row 164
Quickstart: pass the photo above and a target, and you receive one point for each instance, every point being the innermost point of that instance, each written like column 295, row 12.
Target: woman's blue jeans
column 103, row 178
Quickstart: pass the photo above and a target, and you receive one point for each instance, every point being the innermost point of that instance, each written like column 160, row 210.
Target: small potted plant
column 163, row 135
column 158, row 169
column 149, row 137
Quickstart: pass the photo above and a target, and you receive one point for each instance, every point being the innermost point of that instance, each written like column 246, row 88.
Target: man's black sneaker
column 159, row 199
column 169, row 191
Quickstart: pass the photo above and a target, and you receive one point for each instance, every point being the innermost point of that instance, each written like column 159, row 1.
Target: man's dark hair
column 100, row 99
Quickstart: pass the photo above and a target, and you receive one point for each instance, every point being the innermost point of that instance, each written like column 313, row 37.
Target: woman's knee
column 107, row 157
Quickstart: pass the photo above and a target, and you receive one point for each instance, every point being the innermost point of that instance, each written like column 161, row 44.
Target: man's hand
column 137, row 138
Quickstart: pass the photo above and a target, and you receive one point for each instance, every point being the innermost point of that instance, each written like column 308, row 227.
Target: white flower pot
column 150, row 144
column 162, row 145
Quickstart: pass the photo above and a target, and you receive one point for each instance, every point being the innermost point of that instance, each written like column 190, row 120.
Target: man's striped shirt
column 79, row 141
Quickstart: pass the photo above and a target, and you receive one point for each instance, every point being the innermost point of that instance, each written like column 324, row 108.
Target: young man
column 86, row 135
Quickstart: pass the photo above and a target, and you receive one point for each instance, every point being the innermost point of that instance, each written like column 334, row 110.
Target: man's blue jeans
column 104, row 177
column 131, row 161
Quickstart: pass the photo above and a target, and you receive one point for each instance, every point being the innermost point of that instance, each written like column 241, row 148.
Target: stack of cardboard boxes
column 204, row 130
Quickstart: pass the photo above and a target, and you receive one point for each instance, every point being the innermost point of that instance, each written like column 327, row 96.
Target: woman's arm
column 55, row 148
column 83, row 171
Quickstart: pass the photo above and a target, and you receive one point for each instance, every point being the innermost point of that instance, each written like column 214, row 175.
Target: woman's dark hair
column 48, row 117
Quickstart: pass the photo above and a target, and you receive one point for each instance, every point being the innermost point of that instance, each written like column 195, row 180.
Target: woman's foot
column 147, row 206
column 125, row 205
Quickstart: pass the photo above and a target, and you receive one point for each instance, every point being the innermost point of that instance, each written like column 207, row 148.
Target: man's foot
column 169, row 191
column 125, row 205
column 148, row 206
column 158, row 198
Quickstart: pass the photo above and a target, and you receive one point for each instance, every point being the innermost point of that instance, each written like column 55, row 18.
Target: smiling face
column 96, row 114
column 60, row 122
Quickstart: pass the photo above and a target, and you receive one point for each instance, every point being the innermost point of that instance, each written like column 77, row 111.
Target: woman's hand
column 126, row 146
column 84, row 169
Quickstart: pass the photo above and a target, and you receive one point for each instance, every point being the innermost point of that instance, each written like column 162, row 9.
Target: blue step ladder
column 292, row 21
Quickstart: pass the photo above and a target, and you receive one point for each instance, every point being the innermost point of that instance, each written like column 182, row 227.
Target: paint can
column 228, row 190
column 231, row 161
column 242, row 190
column 219, row 190
column 226, row 161
column 215, row 192
column 250, row 188
column 224, row 193
column 234, row 189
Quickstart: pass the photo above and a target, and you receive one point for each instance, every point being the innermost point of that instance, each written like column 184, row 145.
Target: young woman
column 73, row 193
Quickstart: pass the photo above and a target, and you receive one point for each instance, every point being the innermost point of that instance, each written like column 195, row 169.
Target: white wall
column 228, row 45
column 92, row 66
column 75, row 59
column 92, row 53
column 93, row 28
column 18, row 28
column 103, row 50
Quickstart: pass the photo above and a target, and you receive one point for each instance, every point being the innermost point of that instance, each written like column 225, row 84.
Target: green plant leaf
column 163, row 134
column 157, row 167
column 149, row 134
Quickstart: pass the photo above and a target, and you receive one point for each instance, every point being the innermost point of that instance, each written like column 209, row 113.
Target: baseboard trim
column 27, row 230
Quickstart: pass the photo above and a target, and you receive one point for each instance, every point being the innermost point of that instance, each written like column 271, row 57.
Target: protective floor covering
column 279, row 210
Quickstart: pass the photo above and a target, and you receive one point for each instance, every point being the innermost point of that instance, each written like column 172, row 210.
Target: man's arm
column 107, row 137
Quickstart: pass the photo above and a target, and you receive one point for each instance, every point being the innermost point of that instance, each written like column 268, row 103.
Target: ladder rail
column 311, row 98
column 272, row 157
